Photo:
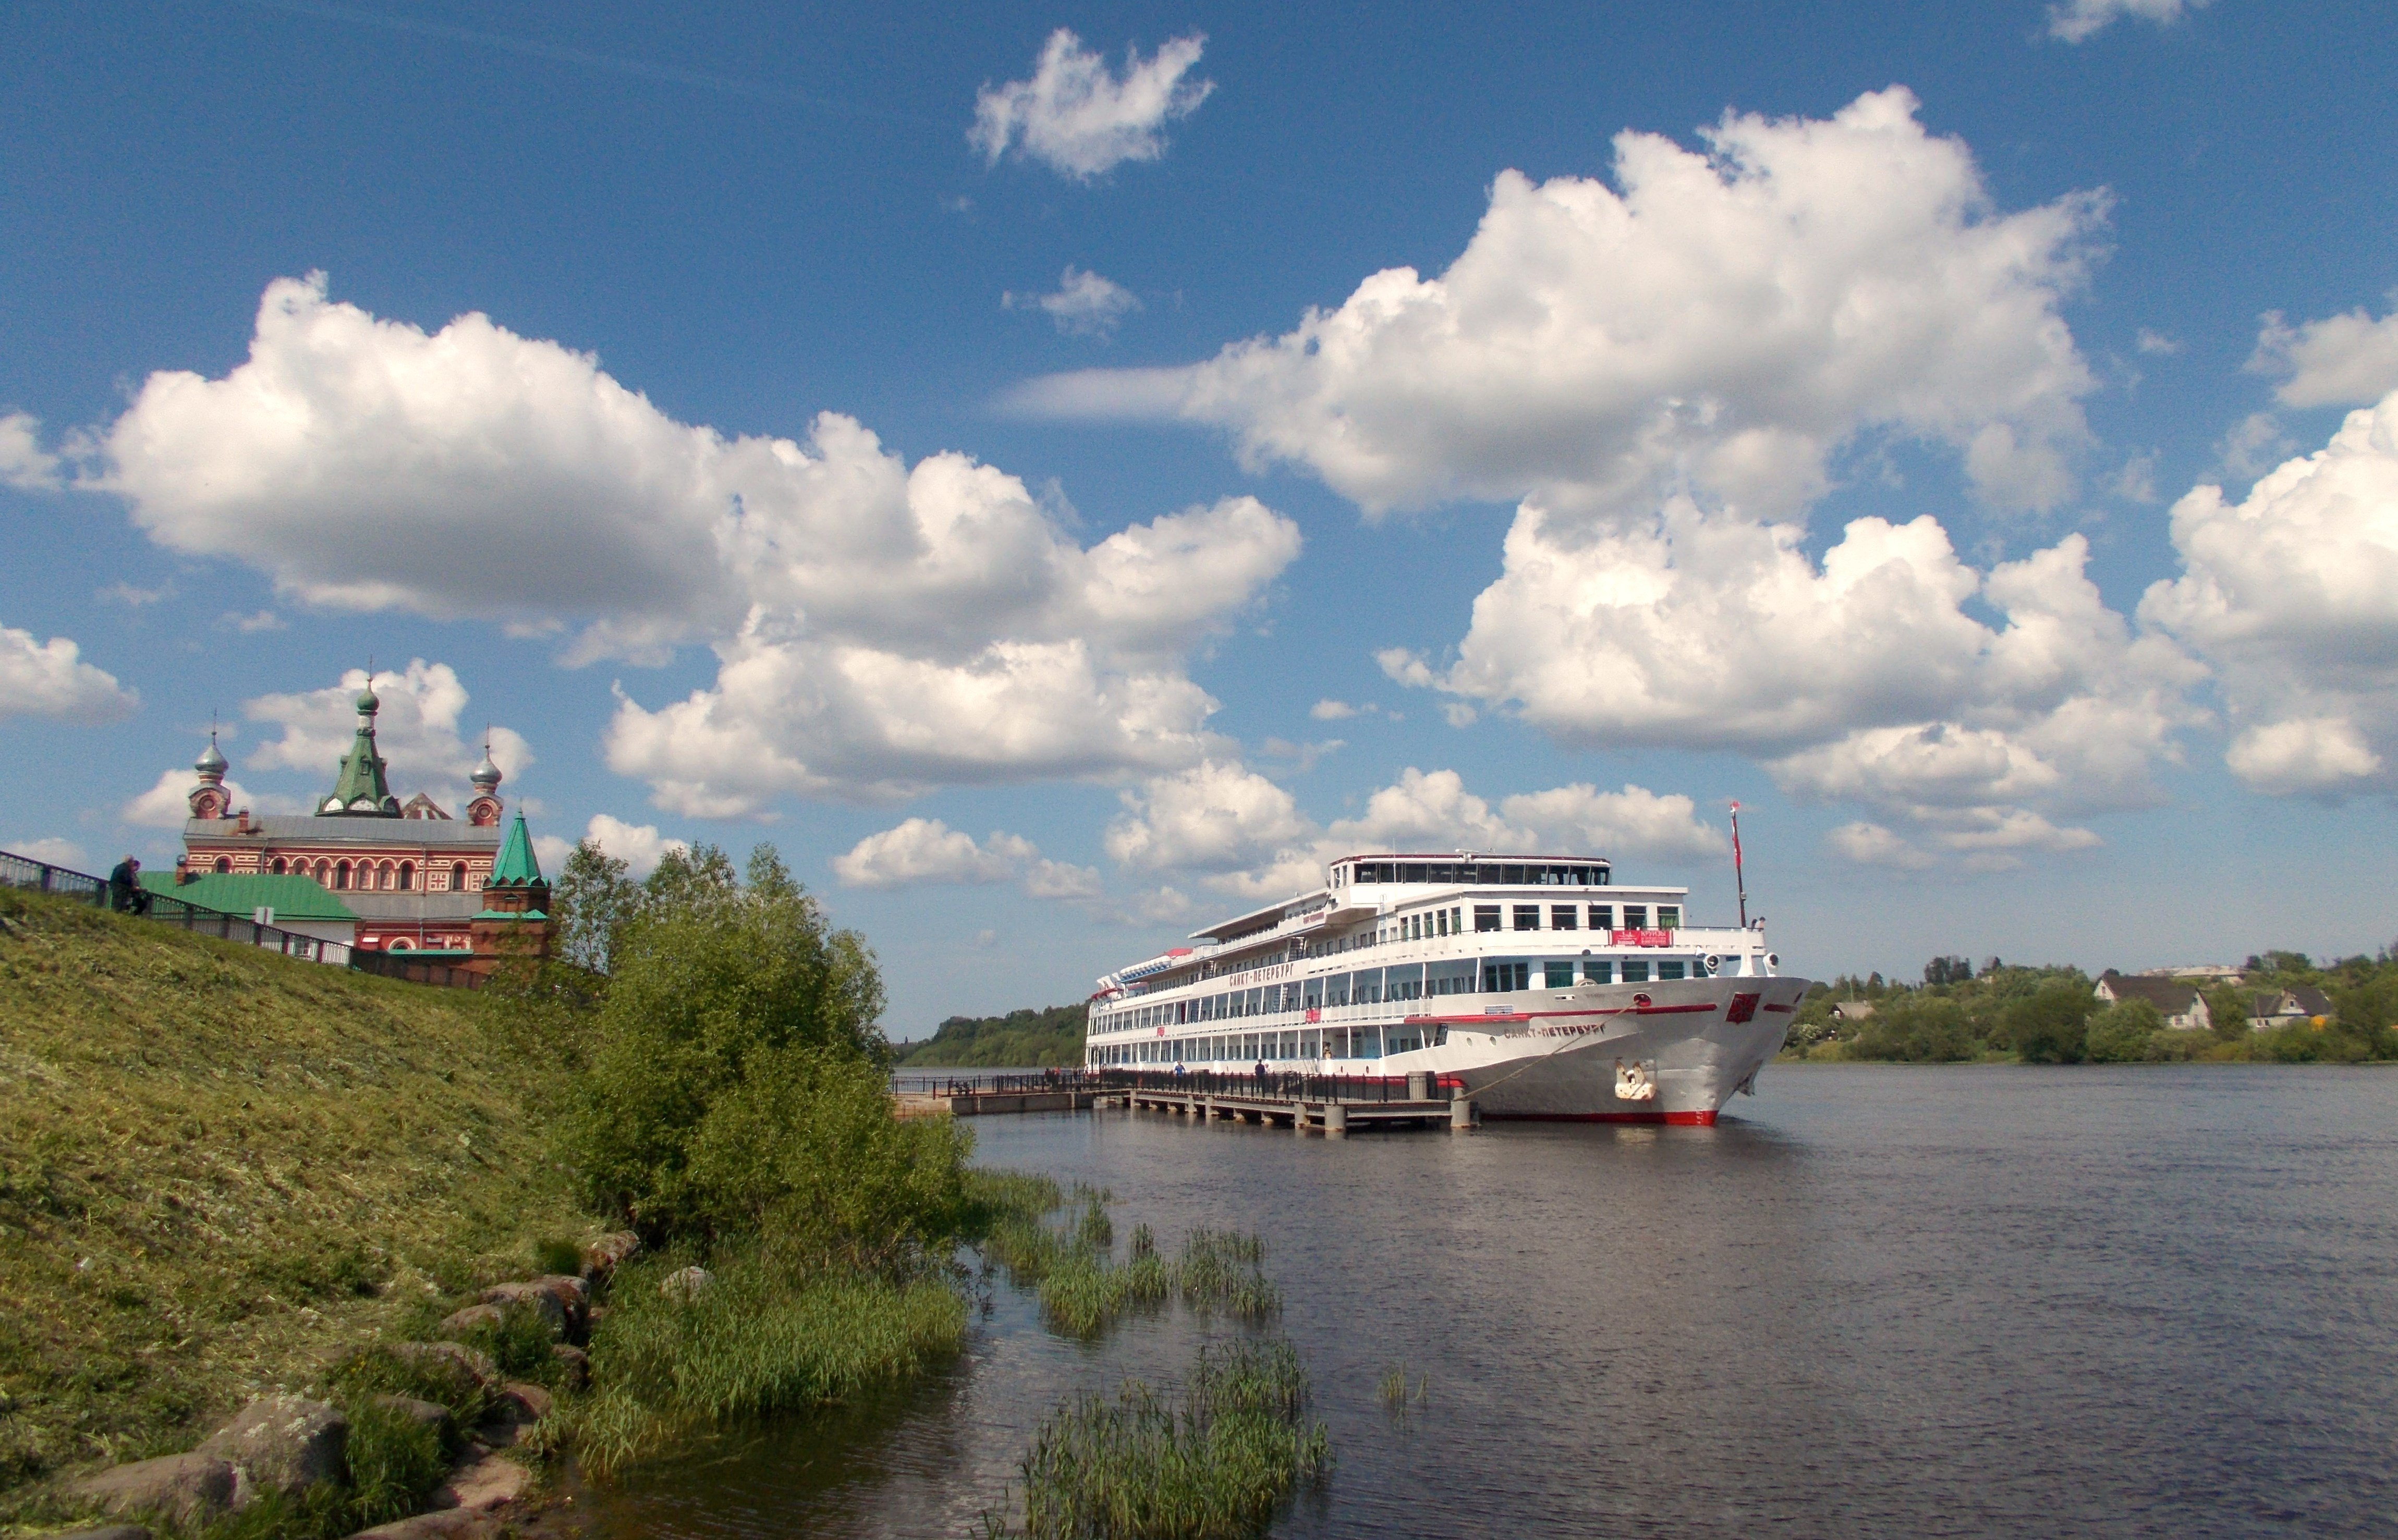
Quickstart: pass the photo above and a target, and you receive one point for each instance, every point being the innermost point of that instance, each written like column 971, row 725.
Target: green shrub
column 2121, row 1033
column 558, row 1256
column 2049, row 1026
column 1916, row 1029
column 379, row 1370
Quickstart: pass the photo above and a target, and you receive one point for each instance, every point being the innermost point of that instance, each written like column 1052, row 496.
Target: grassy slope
column 1017, row 1039
column 219, row 1167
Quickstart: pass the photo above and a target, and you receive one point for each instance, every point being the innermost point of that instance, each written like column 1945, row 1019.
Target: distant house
column 1850, row 1012
column 2209, row 972
column 2182, row 1004
column 2280, row 1006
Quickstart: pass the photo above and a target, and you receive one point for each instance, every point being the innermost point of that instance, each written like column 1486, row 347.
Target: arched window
column 399, row 943
column 383, row 877
column 278, row 866
column 458, row 876
column 224, row 864
column 342, row 875
column 407, row 875
column 324, row 874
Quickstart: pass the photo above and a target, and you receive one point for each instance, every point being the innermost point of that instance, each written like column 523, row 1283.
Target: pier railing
column 1023, row 1082
column 24, row 871
column 1275, row 1085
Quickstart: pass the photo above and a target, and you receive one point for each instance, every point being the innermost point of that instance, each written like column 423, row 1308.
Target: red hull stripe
column 1678, row 1119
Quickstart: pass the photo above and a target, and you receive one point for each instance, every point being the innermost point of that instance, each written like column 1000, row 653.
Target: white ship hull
column 1673, row 1052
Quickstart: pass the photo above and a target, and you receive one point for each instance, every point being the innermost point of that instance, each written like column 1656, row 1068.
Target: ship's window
column 1598, row 971
column 1527, row 917
column 1635, row 916
column 1669, row 916
column 1511, row 875
column 1486, row 917
column 1634, row 972
column 1457, row 922
column 1558, row 975
column 1502, row 978
column 1440, row 921
column 1669, row 970
column 1412, row 874
column 1602, row 917
column 1562, row 917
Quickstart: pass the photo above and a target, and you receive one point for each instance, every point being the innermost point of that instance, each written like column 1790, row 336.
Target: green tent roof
column 516, row 866
column 289, row 897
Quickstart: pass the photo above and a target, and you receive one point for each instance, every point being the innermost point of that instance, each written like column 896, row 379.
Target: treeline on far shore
column 1024, row 1038
column 2054, row 1015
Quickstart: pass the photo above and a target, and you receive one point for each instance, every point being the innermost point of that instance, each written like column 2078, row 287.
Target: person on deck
column 124, row 894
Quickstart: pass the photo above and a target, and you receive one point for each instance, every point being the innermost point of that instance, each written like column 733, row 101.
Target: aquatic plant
column 1221, row 1272
column 1084, row 1293
column 1217, row 1463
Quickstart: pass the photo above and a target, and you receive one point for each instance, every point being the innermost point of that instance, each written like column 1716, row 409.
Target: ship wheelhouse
column 1394, row 954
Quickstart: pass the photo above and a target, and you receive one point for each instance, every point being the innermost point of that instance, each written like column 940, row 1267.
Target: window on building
column 1558, row 975
column 1598, row 971
column 1562, row 917
column 458, row 876
column 342, row 875
column 1669, row 916
column 278, row 867
column 1527, row 917
column 1486, row 917
column 1635, row 916
column 223, row 864
column 1634, row 972
column 1669, row 970
column 407, row 877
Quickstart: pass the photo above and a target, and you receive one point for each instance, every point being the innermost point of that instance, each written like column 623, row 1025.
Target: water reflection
column 1881, row 1302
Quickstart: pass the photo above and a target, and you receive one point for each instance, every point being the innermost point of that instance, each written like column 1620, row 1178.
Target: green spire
column 360, row 790
column 515, row 867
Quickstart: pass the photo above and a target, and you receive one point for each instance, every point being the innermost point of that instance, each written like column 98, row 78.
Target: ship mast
column 1740, row 881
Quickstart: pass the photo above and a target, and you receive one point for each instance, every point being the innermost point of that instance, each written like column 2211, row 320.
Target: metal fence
column 1014, row 1083
column 31, row 875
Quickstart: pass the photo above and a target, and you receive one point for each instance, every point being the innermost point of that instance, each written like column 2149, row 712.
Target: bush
column 735, row 1082
column 1916, row 1029
column 2049, row 1026
column 2122, row 1033
column 379, row 1370
column 518, row 1344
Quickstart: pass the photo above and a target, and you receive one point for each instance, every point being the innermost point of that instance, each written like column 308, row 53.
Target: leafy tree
column 1021, row 1038
column 1942, row 971
column 2122, row 1033
column 1922, row 1028
column 2048, row 1026
column 736, row 1069
column 591, row 902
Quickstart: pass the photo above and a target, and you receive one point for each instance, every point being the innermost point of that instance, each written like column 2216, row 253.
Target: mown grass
column 1218, row 1463
column 219, row 1169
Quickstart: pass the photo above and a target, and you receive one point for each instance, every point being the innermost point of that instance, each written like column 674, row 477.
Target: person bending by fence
column 124, row 894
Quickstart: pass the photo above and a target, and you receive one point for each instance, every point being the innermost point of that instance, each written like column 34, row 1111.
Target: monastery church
column 366, row 868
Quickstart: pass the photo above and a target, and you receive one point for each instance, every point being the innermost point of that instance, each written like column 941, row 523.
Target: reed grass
column 1222, row 1272
column 1218, row 1464
column 766, row 1336
column 1085, row 1293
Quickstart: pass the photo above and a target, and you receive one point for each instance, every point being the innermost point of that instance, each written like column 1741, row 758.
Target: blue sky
column 1811, row 406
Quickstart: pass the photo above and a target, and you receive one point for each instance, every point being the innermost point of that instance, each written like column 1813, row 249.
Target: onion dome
column 212, row 763
column 486, row 775
column 368, row 702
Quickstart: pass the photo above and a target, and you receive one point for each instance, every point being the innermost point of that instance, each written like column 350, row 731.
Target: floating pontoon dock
column 1305, row 1103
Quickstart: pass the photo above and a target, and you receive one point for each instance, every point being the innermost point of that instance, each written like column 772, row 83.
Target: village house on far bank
column 2271, row 1008
column 2181, row 1003
column 366, row 869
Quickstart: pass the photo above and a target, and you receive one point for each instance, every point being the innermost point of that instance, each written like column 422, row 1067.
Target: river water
column 2154, row 1300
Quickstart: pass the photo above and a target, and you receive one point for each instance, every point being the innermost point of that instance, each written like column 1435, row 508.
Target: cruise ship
column 1535, row 985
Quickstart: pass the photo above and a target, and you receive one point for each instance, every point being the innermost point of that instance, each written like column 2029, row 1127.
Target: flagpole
column 1739, row 878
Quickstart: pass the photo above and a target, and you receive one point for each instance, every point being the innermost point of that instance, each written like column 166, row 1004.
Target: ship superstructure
column 1535, row 984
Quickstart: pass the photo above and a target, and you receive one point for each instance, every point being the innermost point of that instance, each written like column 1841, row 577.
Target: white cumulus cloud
column 51, row 679
column 58, row 852
column 2292, row 593
column 1082, row 119
column 1242, row 834
column 639, row 846
column 1722, row 320
column 2076, row 20
column 880, row 627
column 1084, row 305
column 166, row 804
column 927, row 851
column 24, row 462
column 2349, row 360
